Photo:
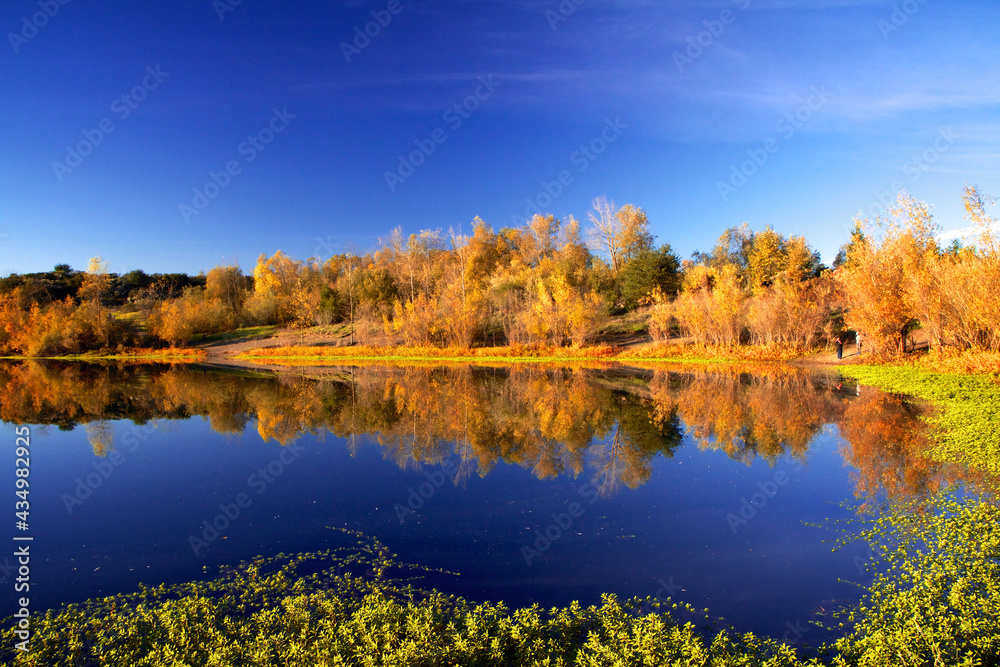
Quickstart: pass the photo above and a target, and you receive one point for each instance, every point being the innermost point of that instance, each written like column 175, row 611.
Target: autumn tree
column 340, row 274
column 395, row 254
column 792, row 312
column 544, row 237
column 286, row 291
column 96, row 281
column 979, row 274
column 767, row 256
column 95, row 287
column 873, row 277
column 732, row 248
column 274, row 280
column 172, row 322
column 712, row 305
column 621, row 233
column 228, row 285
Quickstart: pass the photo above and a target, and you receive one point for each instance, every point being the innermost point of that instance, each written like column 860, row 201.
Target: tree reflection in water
column 607, row 424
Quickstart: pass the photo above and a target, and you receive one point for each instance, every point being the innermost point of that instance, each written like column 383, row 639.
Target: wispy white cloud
column 967, row 235
column 617, row 56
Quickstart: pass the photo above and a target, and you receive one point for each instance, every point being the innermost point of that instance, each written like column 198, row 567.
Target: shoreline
column 290, row 352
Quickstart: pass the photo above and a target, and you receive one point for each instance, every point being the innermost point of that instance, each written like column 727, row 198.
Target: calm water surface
column 534, row 485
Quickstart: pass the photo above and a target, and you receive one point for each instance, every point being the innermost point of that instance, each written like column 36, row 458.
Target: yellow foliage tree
column 874, row 283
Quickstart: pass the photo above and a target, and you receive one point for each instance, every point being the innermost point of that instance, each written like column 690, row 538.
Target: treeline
column 538, row 284
column 66, row 311
column 132, row 288
column 548, row 283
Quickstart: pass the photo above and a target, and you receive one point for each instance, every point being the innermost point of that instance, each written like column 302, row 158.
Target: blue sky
column 708, row 114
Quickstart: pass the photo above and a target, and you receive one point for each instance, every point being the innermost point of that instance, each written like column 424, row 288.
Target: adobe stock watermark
column 901, row 13
column 565, row 9
column 914, row 168
column 580, row 159
column 31, row 25
column 259, row 482
column 105, row 468
column 363, row 35
column 664, row 593
column 786, row 128
column 248, row 150
column 122, row 107
column 325, row 248
column 867, row 564
column 797, row 630
column 561, row 523
column 750, row 507
column 453, row 117
column 223, row 7
column 419, row 496
column 696, row 44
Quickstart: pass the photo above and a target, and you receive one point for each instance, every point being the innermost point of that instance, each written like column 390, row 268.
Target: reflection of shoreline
column 607, row 424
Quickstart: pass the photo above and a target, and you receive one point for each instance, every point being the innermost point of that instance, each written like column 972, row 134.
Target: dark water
column 536, row 486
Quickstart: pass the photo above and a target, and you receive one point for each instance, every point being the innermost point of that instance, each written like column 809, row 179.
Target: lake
column 532, row 484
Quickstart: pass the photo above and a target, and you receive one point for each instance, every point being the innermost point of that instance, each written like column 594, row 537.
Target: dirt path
column 225, row 350
column 827, row 360
column 223, row 353
column 851, row 356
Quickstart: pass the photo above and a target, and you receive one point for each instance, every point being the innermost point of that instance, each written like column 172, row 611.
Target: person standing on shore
column 840, row 347
column 857, row 340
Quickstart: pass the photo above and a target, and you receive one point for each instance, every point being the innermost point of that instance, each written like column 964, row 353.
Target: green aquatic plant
column 357, row 606
column 935, row 599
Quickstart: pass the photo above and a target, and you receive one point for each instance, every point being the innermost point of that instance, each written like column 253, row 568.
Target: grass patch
column 342, row 330
column 702, row 354
column 236, row 334
column 712, row 353
column 173, row 354
column 634, row 322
